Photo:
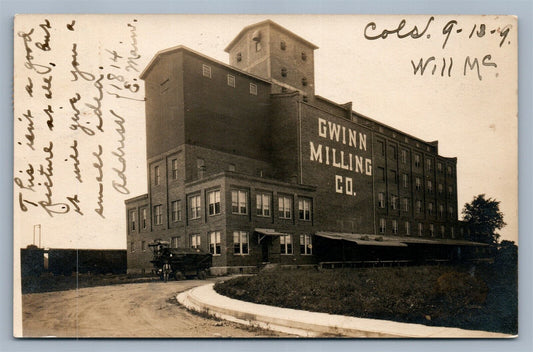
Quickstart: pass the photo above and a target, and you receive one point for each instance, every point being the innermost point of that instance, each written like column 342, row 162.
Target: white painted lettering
column 316, row 154
column 334, row 161
column 368, row 167
column 334, row 131
column 362, row 141
column 353, row 136
column 359, row 164
column 343, row 165
column 349, row 185
column 322, row 131
column 338, row 184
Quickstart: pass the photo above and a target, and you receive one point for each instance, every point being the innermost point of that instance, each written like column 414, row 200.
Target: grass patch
column 480, row 299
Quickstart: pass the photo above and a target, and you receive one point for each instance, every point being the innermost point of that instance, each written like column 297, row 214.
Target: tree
column 483, row 217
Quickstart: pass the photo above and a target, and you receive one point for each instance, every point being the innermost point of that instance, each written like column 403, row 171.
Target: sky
column 472, row 115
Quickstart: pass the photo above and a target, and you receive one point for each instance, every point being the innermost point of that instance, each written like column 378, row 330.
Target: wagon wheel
column 202, row 275
column 178, row 275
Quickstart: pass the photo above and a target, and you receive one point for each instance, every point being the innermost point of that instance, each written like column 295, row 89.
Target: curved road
column 128, row 310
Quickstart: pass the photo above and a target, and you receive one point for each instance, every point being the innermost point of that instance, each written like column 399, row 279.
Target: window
column 262, row 204
column 304, row 56
column 450, row 212
column 157, row 175
column 381, row 200
column 132, row 246
column 430, row 208
column 174, row 169
column 284, row 72
column 306, row 245
column 214, row 243
column 143, row 246
column 430, row 186
column 428, row 164
column 394, row 202
column 418, row 206
column 158, row 214
column 282, row 45
column 195, row 241
column 440, row 188
column 240, row 242
column 304, row 209
column 381, row 148
column 194, row 207
column 239, row 202
column 258, row 46
column 175, row 210
column 381, row 174
column 206, row 71
column 231, row 167
column 285, row 242
column 431, row 230
column 418, row 184
column 405, row 180
column 285, row 207
column 231, row 81
column 442, row 231
column 406, row 204
column 439, row 167
column 417, row 160
column 393, row 178
column 407, row 228
column 174, row 242
column 304, row 81
column 441, row 210
column 253, row 89
column 239, row 57
column 214, row 202
column 133, row 218
column 450, row 191
column 404, row 156
column 452, row 232
column 394, row 226
column 164, row 86
column 392, row 152
column 144, row 218
column 449, row 170
column 382, row 225
column 420, row 229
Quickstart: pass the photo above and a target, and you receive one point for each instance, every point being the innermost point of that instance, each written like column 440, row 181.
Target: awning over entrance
column 268, row 232
column 362, row 240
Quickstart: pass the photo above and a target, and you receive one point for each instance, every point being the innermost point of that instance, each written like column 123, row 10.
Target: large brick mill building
column 245, row 161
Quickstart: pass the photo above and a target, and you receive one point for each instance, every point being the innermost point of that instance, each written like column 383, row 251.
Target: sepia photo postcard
column 246, row 176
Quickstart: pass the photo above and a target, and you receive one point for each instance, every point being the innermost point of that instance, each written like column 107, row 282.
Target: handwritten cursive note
column 453, row 30
column 74, row 129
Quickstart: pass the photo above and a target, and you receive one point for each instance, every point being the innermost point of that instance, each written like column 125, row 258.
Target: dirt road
column 130, row 310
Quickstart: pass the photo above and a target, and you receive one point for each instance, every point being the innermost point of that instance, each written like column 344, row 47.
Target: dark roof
column 196, row 53
column 381, row 240
column 272, row 24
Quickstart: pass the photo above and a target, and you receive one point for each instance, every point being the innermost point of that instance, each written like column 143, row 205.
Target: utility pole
column 35, row 227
